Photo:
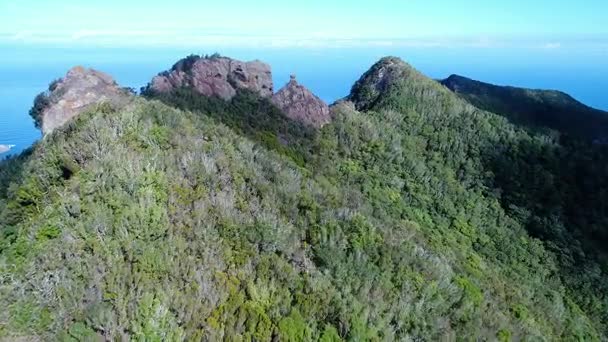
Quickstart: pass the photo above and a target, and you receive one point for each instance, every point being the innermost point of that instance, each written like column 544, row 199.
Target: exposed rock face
column 300, row 104
column 75, row 93
column 223, row 77
column 216, row 76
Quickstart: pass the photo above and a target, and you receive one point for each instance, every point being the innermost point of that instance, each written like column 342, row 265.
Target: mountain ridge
column 223, row 77
column 412, row 214
column 534, row 107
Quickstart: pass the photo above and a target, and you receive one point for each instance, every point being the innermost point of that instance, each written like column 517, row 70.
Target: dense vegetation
column 251, row 116
column 536, row 109
column 417, row 216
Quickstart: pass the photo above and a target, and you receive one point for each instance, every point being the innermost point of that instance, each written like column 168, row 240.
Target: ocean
column 27, row 70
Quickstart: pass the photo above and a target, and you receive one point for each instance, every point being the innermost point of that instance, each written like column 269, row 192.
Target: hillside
column 539, row 109
column 411, row 215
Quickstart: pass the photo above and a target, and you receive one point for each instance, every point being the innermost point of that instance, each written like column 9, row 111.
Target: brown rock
column 75, row 93
column 216, row 76
column 300, row 104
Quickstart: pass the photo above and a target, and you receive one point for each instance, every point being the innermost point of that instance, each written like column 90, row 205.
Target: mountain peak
column 391, row 78
column 222, row 77
column 391, row 60
column 300, row 104
column 378, row 80
column 79, row 69
column 215, row 76
column 72, row 95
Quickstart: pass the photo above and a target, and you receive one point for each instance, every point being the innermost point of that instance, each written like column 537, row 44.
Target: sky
column 544, row 24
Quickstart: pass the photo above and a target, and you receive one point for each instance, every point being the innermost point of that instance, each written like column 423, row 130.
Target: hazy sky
column 538, row 23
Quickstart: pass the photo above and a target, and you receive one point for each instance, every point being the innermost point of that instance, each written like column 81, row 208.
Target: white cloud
column 219, row 38
column 205, row 37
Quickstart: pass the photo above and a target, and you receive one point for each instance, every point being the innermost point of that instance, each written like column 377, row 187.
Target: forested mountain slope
column 539, row 109
column 412, row 215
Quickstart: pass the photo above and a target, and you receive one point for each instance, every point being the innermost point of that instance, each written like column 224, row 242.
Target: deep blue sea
column 27, row 70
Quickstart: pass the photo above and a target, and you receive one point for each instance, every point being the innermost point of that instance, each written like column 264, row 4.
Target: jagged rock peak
column 300, row 104
column 378, row 80
column 215, row 76
column 73, row 94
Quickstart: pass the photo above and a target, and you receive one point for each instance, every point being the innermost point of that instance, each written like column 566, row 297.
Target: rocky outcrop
column 223, row 77
column 300, row 104
column 74, row 94
column 215, row 76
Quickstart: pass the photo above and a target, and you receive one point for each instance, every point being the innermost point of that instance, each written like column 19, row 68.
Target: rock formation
column 72, row 95
column 300, row 104
column 215, row 76
column 223, row 77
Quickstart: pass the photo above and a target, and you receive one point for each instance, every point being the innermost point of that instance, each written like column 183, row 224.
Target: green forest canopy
column 417, row 216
